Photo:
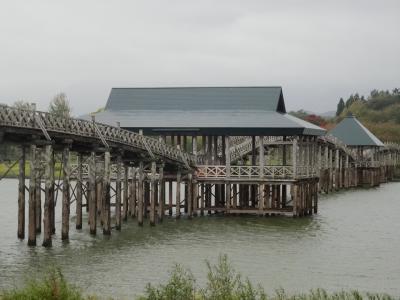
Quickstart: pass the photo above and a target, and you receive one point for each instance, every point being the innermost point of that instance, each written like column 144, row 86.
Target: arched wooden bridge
column 108, row 169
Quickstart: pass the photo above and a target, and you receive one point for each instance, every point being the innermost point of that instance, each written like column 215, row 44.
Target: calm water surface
column 353, row 243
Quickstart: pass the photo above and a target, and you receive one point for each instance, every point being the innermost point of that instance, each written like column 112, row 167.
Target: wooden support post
column 284, row 195
column 295, row 200
column 235, row 196
column 178, row 195
column 228, row 197
column 132, row 195
column 294, row 157
column 140, row 195
column 79, row 193
column 153, row 197
column 170, row 197
column 47, row 230
column 38, row 192
column 65, row 195
column 146, row 198
column 261, row 200
column 92, row 193
column 267, row 196
column 162, row 195
column 190, row 195
column 315, row 191
column 118, row 194
column 186, row 198
column 106, row 194
column 202, row 199
column 125, row 207
column 32, row 196
column 21, row 195
column 195, row 198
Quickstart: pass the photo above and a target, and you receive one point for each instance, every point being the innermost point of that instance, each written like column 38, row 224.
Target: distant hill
column 328, row 114
column 379, row 112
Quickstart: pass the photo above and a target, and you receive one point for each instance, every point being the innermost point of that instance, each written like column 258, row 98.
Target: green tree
column 59, row 106
column 340, row 107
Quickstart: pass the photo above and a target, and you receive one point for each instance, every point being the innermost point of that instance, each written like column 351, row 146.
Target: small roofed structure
column 364, row 145
column 351, row 132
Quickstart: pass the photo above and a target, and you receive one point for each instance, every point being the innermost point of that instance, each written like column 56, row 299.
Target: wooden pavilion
column 252, row 157
column 365, row 147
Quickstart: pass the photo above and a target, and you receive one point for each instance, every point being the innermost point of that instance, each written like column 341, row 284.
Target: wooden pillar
column 65, row 195
column 125, row 207
column 228, row 197
column 106, row 194
column 295, row 200
column 284, row 195
column 47, row 230
column 21, row 195
column 32, row 196
column 190, row 195
column 140, row 196
column 132, row 196
column 262, row 156
column 202, row 198
column 195, row 198
column 162, row 195
column 79, row 193
column 261, row 200
column 38, row 192
column 153, row 196
column 315, row 191
column 215, row 149
column 92, row 193
column 235, row 195
column 170, row 197
column 146, row 198
column 178, row 195
column 267, row 196
column 294, row 157
column 118, row 194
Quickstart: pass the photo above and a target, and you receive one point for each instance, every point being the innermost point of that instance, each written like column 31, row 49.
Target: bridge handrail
column 22, row 118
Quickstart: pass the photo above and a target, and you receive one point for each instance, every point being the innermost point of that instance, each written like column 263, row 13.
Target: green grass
column 53, row 286
column 13, row 173
column 223, row 283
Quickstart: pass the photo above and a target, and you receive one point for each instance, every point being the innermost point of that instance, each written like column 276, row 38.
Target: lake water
column 353, row 243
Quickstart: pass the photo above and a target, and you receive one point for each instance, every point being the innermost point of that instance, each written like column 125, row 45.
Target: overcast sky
column 318, row 51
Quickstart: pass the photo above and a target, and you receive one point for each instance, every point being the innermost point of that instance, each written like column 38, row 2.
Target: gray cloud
column 317, row 50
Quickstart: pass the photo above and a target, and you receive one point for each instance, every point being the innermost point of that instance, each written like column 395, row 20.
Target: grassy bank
column 223, row 283
column 14, row 171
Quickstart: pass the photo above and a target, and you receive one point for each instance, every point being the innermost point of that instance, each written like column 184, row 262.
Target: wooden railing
column 254, row 172
column 35, row 120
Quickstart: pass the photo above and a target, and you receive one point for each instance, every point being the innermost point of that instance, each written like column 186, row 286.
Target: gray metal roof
column 197, row 98
column 206, row 110
column 351, row 132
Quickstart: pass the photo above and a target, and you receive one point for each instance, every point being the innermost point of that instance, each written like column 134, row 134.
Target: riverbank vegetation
column 223, row 283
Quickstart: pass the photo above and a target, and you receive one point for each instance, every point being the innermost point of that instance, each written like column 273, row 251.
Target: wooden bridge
column 110, row 171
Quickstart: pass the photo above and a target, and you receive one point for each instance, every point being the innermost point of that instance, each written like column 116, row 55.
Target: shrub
column 52, row 287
